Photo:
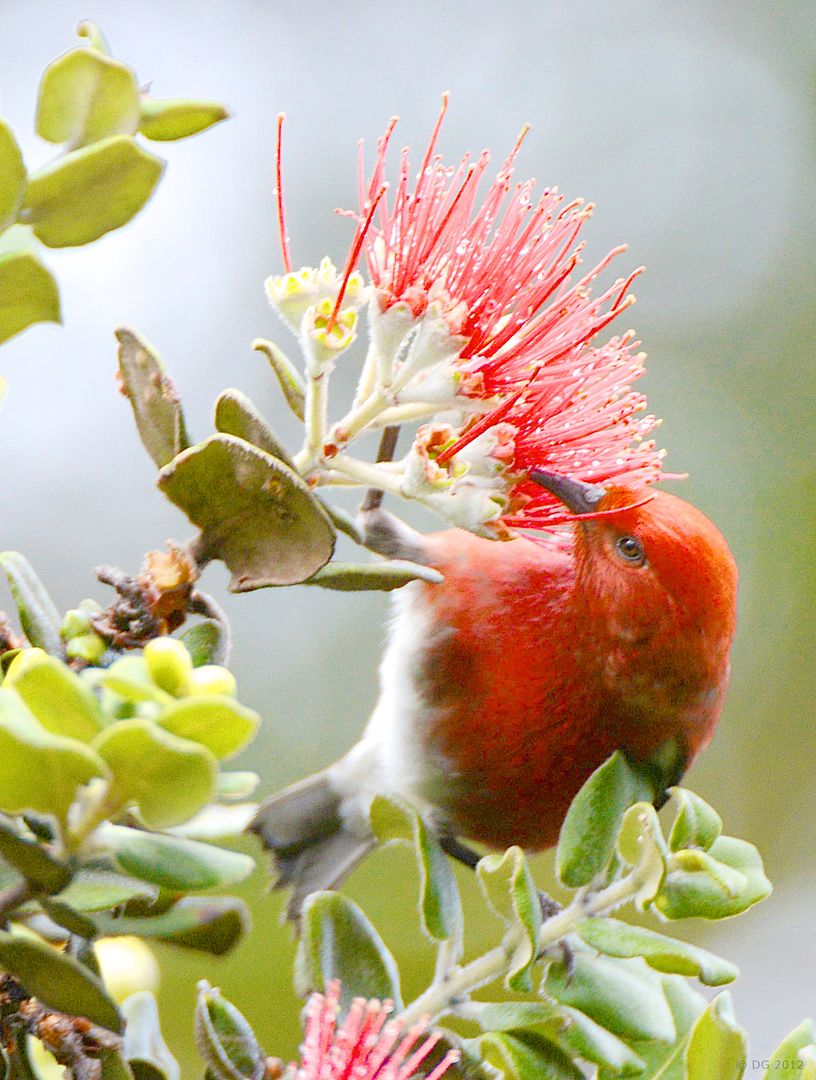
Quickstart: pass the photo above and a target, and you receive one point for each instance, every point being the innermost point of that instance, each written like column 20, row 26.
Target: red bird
column 506, row 685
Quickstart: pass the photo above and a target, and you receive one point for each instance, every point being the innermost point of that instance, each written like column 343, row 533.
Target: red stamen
column 353, row 256
column 284, row 237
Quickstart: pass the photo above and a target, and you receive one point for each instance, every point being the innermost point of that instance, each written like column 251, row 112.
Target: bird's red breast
column 545, row 658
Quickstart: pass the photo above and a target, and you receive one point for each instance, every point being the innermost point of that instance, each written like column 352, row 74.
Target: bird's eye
column 631, row 550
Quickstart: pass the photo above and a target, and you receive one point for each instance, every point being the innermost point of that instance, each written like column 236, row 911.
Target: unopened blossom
column 366, row 1044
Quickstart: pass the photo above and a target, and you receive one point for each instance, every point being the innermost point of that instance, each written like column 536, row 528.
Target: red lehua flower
column 366, row 1045
column 500, row 271
column 581, row 420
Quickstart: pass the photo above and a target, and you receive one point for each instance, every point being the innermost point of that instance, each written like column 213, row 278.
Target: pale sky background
column 690, row 125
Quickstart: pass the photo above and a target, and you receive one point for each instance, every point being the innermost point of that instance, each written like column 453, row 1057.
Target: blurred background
column 691, row 127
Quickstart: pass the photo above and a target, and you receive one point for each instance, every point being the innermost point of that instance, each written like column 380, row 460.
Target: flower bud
column 169, row 665
column 75, row 623
column 212, row 679
column 88, row 647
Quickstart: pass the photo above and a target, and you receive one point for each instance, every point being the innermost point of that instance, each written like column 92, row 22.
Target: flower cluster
column 481, row 331
column 365, row 1045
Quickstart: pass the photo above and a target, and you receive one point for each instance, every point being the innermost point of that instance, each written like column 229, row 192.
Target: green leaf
column 236, row 415
column 58, row 980
column 236, row 785
column 383, row 576
column 100, row 890
column 58, row 698
column 89, row 192
column 28, row 294
column 86, row 96
column 509, row 888
column 112, row 1066
column 129, row 678
column 570, row 1029
column 219, row 723
column 338, row 942
column 167, row 119
column 211, row 924
column 667, row 1061
column 216, row 822
column 172, row 862
column 525, row 1055
column 34, row 861
column 615, row 938
column 167, row 777
column 440, row 904
column 38, row 614
column 717, row 1048
column 787, row 1058
column 40, row 771
column 65, row 916
column 696, row 825
column 225, row 1039
column 207, row 643
column 623, row 996
column 12, row 176
column 94, row 36
column 254, row 512
column 144, row 1043
column 153, row 397
column 587, row 840
column 291, row 384
column 726, row 880
column 641, row 842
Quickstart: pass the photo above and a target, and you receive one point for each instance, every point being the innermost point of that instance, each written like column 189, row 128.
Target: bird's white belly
column 390, row 759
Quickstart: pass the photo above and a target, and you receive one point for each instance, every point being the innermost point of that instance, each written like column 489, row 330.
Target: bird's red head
column 658, row 583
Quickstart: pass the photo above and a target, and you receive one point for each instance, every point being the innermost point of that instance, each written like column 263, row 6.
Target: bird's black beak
column 577, row 496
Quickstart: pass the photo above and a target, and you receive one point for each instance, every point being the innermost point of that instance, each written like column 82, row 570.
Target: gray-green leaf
column 338, row 942
column 440, row 904
column 38, row 613
column 615, row 938
column 587, row 839
column 58, row 980
column 144, row 1043
column 254, row 512
column 509, row 888
column 172, row 862
column 236, row 415
column 225, row 1039
column 623, row 996
column 383, row 576
column 153, row 397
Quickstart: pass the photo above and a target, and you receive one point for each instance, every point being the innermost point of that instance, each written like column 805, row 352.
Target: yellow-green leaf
column 717, row 1049
column 166, row 119
column 86, row 96
column 168, row 778
column 58, row 698
column 12, row 175
column 39, row 771
column 219, row 723
column 87, row 193
column 28, row 294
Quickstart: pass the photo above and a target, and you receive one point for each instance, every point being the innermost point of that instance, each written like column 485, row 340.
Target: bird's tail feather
column 303, row 828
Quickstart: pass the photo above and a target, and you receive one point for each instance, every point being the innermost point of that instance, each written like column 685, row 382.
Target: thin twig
column 388, row 444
